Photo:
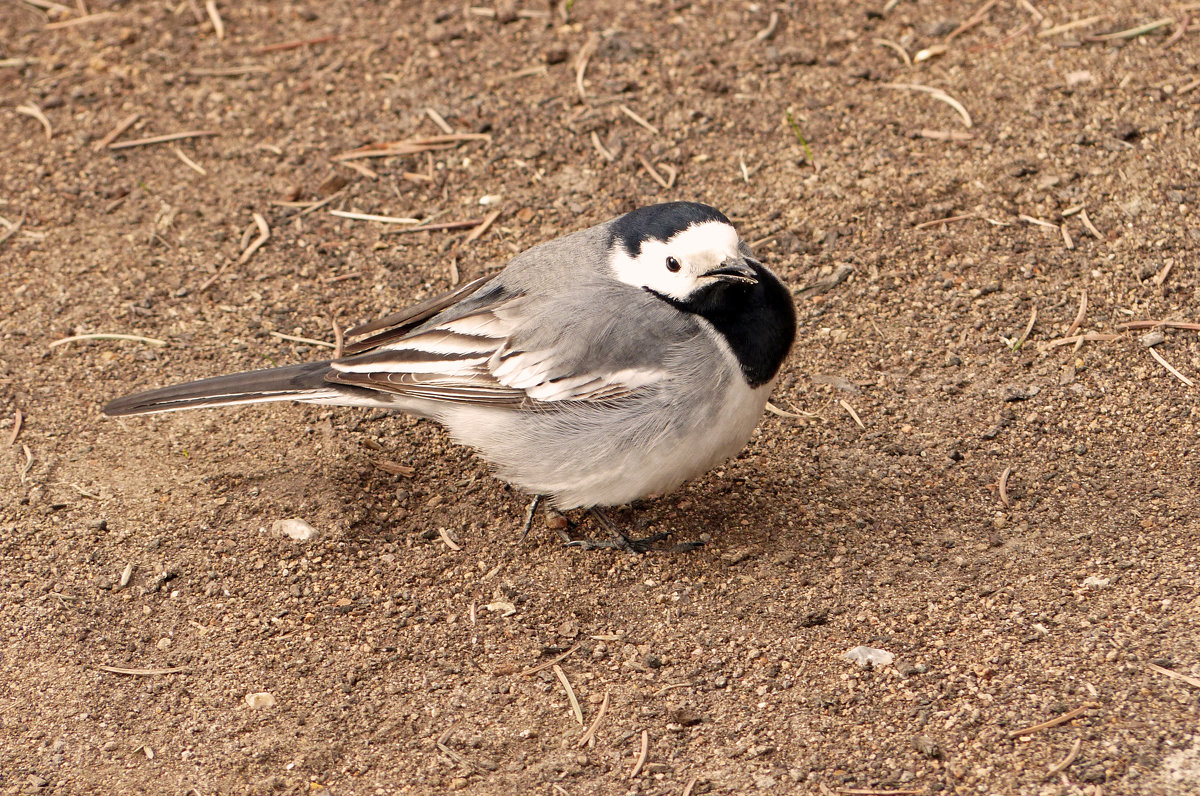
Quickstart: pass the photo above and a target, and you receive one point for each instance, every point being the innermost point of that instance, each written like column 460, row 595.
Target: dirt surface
column 395, row 661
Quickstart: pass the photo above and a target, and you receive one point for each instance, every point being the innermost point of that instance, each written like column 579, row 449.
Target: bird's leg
column 624, row 542
column 529, row 514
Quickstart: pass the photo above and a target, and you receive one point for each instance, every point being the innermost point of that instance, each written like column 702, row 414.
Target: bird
column 595, row 369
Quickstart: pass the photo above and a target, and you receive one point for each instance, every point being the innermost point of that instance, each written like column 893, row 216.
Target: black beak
column 734, row 271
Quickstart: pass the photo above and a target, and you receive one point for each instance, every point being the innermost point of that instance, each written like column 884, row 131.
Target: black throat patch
column 758, row 321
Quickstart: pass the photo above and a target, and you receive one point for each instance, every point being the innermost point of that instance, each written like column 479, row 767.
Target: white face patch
column 698, row 249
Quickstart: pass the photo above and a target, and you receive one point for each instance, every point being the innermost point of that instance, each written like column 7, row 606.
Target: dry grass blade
column 642, row 755
column 1020, row 341
column 945, row 135
column 339, row 341
column 102, row 336
column 483, row 227
column 1133, row 33
column 1180, row 30
column 191, row 164
column 1171, row 368
column 1067, row 27
column 641, row 121
column 590, row 735
column 879, row 792
column 445, row 536
column 18, row 420
column 1087, row 222
column 599, row 147
column 99, row 16
column 264, row 235
column 162, row 139
column 1004, row 487
column 893, row 46
column 24, row 471
column 1183, row 678
column 440, row 121
column 1067, row 241
column 140, row 672
column 654, row 175
column 295, row 45
column 1090, row 337
column 972, row 20
column 845, row 405
column 372, row 217
column 34, row 111
column 581, row 62
column 229, row 71
column 1191, row 327
column 305, row 340
column 436, row 227
column 210, row 6
column 12, row 230
column 768, row 31
column 691, row 783
column 1037, row 221
column 938, row 221
column 116, row 132
column 411, row 146
column 1065, row 763
column 937, row 94
column 1063, row 719
column 566, row 684
column 1079, row 316
column 542, row 666
column 775, row 410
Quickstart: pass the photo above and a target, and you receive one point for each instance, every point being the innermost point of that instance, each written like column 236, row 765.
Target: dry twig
column 654, row 175
column 937, row 221
column 566, row 684
column 102, row 336
column 1192, row 681
column 588, row 736
column 1067, row 27
column 547, row 665
column 440, row 121
column 371, row 217
column 937, row 94
column 18, row 420
column 1045, row 725
column 1066, row 762
column 294, row 45
column 191, row 164
column 581, row 62
column 140, row 672
column 642, row 755
column 641, row 121
column 214, row 15
column 1191, row 327
column 29, row 109
column 162, row 139
column 1079, row 316
column 115, row 133
column 845, row 405
column 1004, row 487
column 453, row 545
column 264, row 235
column 483, row 227
column 891, row 45
column 1171, row 368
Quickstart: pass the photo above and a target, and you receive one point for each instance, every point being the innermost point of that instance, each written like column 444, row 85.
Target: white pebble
column 262, row 699
column 294, row 528
column 869, row 656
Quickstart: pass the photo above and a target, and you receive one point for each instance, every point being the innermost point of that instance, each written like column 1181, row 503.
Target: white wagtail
column 595, row 369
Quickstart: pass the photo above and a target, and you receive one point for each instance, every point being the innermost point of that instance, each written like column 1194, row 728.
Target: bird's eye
column 673, row 265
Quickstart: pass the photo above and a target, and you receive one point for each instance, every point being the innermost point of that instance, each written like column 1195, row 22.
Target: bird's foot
column 622, row 541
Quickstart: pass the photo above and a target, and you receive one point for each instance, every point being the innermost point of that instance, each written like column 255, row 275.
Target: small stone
column 1153, row 338
column 261, row 699
column 869, row 657
column 927, row 747
column 295, row 529
column 1095, row 582
column 685, row 716
column 163, row 643
column 764, row 783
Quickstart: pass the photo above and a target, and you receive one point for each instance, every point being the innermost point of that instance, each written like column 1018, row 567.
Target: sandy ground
column 1065, row 592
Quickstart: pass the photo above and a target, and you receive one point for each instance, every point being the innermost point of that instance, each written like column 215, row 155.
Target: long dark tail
column 305, row 382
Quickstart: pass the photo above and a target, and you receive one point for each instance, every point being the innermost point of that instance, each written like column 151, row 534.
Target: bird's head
column 679, row 251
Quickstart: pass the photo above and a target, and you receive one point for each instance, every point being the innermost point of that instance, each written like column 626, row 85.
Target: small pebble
column 261, row 699
column 295, row 528
column 869, row 656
